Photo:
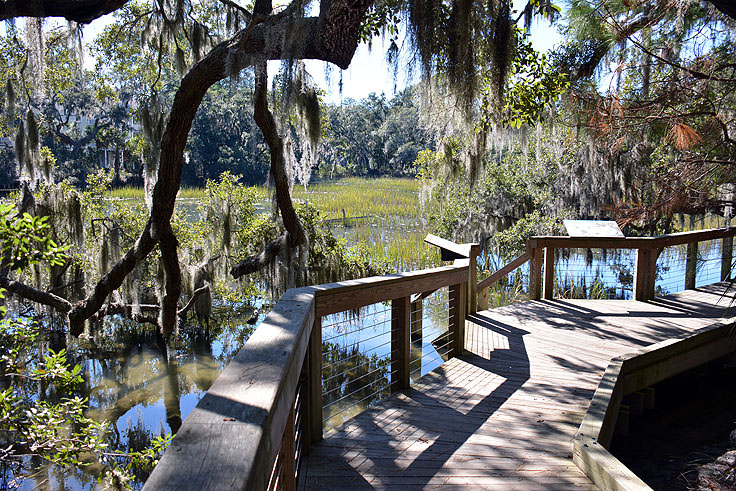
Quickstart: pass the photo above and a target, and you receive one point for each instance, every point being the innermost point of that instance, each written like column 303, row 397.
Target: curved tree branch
column 45, row 298
column 331, row 37
column 264, row 120
column 256, row 262
column 82, row 11
column 199, row 291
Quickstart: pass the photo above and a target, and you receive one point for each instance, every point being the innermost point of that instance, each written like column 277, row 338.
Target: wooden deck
column 503, row 416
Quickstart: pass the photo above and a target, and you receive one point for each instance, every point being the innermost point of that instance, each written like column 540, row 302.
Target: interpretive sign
column 592, row 228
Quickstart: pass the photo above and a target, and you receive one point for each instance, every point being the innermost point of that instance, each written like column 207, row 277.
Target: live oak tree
column 260, row 34
column 459, row 40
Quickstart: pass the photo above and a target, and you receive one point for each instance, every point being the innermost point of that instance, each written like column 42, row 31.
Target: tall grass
column 130, row 192
column 355, row 196
column 393, row 234
column 400, row 246
column 382, row 197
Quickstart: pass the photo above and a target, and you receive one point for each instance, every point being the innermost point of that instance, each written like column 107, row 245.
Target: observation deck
column 508, row 407
column 504, row 415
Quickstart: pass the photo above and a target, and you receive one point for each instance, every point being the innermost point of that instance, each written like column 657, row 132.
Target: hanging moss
column 463, row 41
column 10, row 101
column 20, row 146
column 196, row 40
column 180, row 61
column 74, row 218
column 153, row 124
column 203, row 276
column 226, row 226
column 104, row 261
column 35, row 47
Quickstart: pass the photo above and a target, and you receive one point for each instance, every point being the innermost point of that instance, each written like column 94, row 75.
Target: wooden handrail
column 647, row 250
column 656, row 242
column 497, row 275
column 234, row 435
column 353, row 294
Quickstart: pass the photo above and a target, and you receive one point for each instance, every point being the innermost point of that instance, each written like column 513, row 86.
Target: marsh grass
column 382, row 197
column 130, row 192
column 393, row 234
column 399, row 242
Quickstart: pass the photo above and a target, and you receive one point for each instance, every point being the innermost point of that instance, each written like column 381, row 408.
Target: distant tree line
column 89, row 119
column 374, row 136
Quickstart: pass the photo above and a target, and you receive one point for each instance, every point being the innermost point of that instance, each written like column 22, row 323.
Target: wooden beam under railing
column 648, row 249
column 656, row 242
column 497, row 275
column 481, row 289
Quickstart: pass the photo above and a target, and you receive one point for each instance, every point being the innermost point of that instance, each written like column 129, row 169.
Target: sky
column 369, row 72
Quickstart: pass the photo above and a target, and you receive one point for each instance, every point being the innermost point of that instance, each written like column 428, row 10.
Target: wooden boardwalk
column 503, row 416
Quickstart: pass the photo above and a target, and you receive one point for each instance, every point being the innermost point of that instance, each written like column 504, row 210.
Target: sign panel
column 592, row 228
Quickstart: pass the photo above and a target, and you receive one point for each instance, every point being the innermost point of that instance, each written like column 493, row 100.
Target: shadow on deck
column 503, row 415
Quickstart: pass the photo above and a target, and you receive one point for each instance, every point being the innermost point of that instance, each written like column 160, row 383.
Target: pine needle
column 684, row 137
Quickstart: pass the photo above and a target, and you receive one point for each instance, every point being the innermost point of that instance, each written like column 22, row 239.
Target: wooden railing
column 540, row 254
column 251, row 427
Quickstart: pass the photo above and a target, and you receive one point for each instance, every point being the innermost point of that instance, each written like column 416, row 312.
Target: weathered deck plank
column 503, row 416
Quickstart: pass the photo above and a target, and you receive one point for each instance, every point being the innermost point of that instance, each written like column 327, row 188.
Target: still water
column 130, row 383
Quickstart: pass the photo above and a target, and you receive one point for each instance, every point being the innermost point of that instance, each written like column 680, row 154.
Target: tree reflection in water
column 132, row 383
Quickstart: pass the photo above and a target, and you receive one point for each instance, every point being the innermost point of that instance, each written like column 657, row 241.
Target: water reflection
column 357, row 350
column 132, row 383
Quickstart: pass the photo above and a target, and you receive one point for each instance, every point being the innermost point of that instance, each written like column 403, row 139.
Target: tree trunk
column 331, row 37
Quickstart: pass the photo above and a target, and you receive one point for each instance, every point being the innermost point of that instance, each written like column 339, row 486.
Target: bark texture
column 728, row 7
column 331, row 37
column 256, row 262
column 294, row 235
column 45, row 298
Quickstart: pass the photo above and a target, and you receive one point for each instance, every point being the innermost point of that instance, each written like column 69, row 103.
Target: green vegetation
column 397, row 242
column 631, row 118
column 352, row 197
column 131, row 192
column 40, row 414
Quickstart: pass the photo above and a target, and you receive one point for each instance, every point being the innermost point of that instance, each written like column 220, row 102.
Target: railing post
column 726, row 257
column 457, row 317
column 642, row 274
column 288, row 456
column 483, row 299
column 549, row 272
column 415, row 323
column 653, row 255
column 416, row 332
column 315, row 382
column 473, row 279
column 691, row 263
column 535, row 274
column 400, row 346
